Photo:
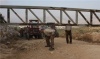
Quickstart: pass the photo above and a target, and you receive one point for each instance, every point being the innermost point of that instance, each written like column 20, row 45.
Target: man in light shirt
column 49, row 36
column 68, row 32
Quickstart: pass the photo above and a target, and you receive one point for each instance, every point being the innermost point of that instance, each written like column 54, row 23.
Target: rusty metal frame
column 8, row 15
column 53, row 16
column 96, row 16
column 44, row 16
column 26, row 15
column 61, row 16
column 69, row 16
column 35, row 15
column 76, row 17
column 84, row 17
column 18, row 15
column 62, row 10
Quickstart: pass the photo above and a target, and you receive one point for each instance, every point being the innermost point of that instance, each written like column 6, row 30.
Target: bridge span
column 62, row 10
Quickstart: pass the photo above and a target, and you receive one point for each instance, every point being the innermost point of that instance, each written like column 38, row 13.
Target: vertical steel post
column 44, row 16
column 91, row 17
column 8, row 15
column 76, row 17
column 26, row 16
column 60, row 16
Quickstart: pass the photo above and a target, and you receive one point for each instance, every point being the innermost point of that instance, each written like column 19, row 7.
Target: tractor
column 32, row 30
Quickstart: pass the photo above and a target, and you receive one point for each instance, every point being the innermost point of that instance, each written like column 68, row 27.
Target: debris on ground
column 8, row 37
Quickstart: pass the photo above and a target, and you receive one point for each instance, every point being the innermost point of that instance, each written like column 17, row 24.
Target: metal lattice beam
column 45, row 10
column 84, row 17
column 18, row 16
column 35, row 15
column 69, row 16
column 52, row 16
column 96, row 16
column 48, row 7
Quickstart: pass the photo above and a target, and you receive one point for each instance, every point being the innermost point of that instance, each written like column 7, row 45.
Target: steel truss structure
column 47, row 10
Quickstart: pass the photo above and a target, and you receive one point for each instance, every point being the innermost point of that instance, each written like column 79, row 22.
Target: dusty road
column 77, row 50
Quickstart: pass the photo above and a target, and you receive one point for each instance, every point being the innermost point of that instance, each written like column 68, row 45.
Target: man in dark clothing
column 68, row 32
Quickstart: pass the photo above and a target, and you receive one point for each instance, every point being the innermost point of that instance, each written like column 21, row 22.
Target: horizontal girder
column 49, row 8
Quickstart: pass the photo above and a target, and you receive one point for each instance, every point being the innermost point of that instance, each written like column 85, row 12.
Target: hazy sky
column 87, row 4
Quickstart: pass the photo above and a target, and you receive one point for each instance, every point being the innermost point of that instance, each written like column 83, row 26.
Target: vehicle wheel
column 40, row 36
column 36, row 36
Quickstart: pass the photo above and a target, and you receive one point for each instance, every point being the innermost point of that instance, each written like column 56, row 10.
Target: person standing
column 68, row 33
column 49, row 36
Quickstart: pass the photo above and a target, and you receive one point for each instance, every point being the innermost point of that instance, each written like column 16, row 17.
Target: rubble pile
column 7, row 33
column 89, row 37
column 96, row 37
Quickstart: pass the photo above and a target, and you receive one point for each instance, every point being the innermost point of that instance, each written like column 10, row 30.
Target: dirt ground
column 35, row 49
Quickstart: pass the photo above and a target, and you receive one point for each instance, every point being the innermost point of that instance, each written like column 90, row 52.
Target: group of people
column 49, row 35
